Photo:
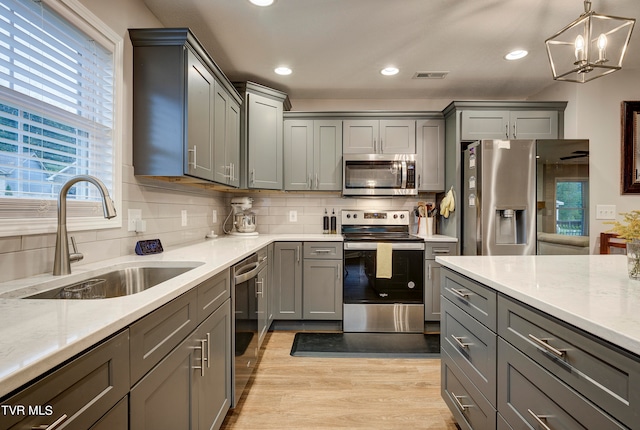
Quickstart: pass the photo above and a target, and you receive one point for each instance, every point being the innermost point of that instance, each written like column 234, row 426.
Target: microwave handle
column 404, row 175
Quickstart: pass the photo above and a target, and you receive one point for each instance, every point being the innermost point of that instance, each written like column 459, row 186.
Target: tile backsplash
column 161, row 205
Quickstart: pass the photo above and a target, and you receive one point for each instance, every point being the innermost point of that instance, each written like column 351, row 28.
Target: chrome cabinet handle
column 51, row 426
column 233, row 171
column 458, row 341
column 317, row 181
column 506, row 131
column 419, row 180
column 322, row 251
column 310, row 183
column 429, row 272
column 202, row 357
column 460, row 293
column 381, row 151
column 338, row 271
column 253, row 176
column 515, row 130
column 459, row 403
column 544, row 345
column 298, row 253
column 539, row 419
column 195, row 156
column 261, row 291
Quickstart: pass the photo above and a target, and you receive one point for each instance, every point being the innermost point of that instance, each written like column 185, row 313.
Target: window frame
column 83, row 19
column 585, row 202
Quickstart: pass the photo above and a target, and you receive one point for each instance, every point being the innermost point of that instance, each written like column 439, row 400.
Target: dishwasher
column 247, row 290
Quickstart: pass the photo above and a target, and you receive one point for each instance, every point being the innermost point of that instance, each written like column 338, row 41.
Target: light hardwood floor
column 339, row 393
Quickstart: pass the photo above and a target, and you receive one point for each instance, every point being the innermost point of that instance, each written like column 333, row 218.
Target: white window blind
column 56, row 111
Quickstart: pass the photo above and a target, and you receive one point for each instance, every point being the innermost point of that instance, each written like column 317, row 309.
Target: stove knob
column 401, row 216
column 355, row 216
column 348, row 215
column 395, row 216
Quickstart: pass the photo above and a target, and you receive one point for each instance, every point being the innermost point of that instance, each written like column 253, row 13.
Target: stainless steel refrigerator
column 499, row 198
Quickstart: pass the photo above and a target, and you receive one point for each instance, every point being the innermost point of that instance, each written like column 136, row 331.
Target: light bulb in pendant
column 579, row 49
column 602, row 46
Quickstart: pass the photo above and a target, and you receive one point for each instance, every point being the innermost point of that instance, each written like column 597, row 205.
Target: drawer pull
column 322, row 251
column 546, row 347
column 440, row 251
column 51, row 426
column 461, row 293
column 539, row 419
column 459, row 403
column 460, row 343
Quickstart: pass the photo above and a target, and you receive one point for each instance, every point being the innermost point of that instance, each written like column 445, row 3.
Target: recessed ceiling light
column 262, row 2
column 284, row 71
column 389, row 71
column 516, row 55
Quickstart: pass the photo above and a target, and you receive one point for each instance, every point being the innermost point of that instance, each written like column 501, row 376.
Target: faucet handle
column 75, row 255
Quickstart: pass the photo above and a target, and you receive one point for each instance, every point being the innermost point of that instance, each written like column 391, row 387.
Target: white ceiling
column 336, row 48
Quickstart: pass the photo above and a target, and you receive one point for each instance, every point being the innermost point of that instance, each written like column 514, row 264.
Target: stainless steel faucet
column 62, row 259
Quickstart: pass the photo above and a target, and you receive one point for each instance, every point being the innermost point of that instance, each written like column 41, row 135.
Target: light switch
column 605, row 211
column 184, row 218
column 293, row 216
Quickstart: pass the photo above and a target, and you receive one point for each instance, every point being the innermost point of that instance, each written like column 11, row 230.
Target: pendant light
column 592, row 46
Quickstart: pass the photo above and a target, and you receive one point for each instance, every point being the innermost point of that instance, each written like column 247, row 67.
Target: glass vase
column 633, row 259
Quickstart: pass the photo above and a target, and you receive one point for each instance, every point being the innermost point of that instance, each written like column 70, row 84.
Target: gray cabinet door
column 224, row 133
column 162, row 400
column 430, row 151
column 212, row 384
column 432, row 291
column 533, row 124
column 265, row 142
column 361, row 136
column 322, row 289
column 327, row 155
column 298, row 155
column 116, row 419
column 484, row 124
column 287, row 280
column 397, row 136
column 200, row 119
column 233, row 142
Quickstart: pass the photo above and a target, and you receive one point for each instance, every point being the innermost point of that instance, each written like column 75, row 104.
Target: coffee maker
column 244, row 220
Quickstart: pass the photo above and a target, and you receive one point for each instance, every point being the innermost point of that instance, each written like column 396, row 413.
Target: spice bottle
column 333, row 221
column 325, row 222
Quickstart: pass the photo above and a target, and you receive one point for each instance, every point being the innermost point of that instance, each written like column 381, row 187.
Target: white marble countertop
column 36, row 334
column 591, row 292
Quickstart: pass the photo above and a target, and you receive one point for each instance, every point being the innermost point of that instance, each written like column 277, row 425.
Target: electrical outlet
column 293, row 216
column 184, row 218
column 133, row 215
column 605, row 211
column 214, row 216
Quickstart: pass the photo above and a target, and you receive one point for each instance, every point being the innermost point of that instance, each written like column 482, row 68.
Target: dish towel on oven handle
column 384, row 257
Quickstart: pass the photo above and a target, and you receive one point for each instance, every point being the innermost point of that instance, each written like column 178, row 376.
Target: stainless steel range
column 384, row 272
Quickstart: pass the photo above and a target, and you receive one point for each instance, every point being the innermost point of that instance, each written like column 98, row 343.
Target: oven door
column 379, row 175
column 372, row 304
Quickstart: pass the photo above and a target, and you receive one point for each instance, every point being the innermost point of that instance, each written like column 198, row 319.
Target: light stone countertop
column 591, row 292
column 37, row 335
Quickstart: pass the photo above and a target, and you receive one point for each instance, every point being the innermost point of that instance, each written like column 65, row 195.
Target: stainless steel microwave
column 379, row 175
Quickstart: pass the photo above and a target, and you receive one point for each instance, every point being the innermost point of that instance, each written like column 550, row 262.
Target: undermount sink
column 115, row 283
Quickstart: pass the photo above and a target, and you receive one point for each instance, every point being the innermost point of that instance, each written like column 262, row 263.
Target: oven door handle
column 372, row 246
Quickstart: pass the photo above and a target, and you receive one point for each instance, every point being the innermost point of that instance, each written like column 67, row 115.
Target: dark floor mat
column 371, row 345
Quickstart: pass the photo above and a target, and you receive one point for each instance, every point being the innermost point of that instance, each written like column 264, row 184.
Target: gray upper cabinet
column 186, row 112
column 504, row 124
column 261, row 136
column 312, row 154
column 430, row 154
column 373, row 136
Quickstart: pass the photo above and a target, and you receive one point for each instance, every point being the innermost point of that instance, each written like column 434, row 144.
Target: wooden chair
column 610, row 244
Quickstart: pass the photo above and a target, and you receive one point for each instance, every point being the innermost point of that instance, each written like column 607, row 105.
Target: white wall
column 593, row 113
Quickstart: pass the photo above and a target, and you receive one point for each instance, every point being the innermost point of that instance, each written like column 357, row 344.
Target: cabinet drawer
column 471, row 346
column 212, row 293
column 475, row 299
column 528, row 395
column 607, row 376
column 327, row 250
column 468, row 406
column 433, row 249
column 155, row 335
column 84, row 390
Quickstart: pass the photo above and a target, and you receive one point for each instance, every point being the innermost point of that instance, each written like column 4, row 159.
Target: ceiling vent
column 430, row 75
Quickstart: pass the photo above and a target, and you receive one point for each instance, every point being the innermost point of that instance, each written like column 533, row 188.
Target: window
column 572, row 204
column 58, row 96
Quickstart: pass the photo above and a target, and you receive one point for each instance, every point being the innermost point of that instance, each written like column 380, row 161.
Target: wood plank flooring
column 339, row 393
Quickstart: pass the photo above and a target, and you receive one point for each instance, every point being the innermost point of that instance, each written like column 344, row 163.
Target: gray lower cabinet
column 287, row 281
column 506, row 365
column 322, row 281
column 186, row 113
column 312, row 155
column 432, row 277
column 191, row 387
column 78, row 394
